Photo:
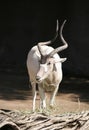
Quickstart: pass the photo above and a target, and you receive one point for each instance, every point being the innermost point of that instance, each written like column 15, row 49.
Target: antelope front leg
column 34, row 96
column 52, row 98
column 42, row 97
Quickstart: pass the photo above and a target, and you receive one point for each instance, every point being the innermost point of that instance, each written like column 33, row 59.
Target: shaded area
column 14, row 86
column 75, row 86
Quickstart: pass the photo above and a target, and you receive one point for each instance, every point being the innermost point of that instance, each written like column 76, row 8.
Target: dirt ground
column 73, row 95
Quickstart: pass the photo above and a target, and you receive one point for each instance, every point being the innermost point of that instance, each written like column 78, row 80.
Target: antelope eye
column 48, row 63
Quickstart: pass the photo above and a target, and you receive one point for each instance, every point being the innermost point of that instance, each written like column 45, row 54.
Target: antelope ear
column 60, row 60
column 63, row 59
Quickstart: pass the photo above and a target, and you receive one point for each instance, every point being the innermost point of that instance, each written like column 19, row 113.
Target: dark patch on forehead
column 43, row 59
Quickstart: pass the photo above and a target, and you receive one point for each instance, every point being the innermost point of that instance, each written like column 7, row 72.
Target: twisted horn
column 48, row 42
column 63, row 40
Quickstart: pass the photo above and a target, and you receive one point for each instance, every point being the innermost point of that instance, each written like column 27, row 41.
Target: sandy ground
column 15, row 94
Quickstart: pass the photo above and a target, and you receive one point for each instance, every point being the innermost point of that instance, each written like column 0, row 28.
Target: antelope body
column 45, row 68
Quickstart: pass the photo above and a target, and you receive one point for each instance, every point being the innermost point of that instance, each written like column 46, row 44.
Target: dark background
column 25, row 23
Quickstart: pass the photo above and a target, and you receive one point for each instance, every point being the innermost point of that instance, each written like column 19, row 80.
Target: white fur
column 49, row 81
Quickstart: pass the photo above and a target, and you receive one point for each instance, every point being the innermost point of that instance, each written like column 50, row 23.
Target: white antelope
column 45, row 68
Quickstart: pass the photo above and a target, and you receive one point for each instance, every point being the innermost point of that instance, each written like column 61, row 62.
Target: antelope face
column 45, row 68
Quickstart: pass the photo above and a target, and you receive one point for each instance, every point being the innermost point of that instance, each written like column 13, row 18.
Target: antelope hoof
column 51, row 106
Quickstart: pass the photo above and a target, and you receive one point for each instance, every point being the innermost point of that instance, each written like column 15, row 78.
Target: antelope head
column 47, row 62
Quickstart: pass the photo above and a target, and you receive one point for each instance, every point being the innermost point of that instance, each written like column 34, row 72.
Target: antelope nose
column 37, row 78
